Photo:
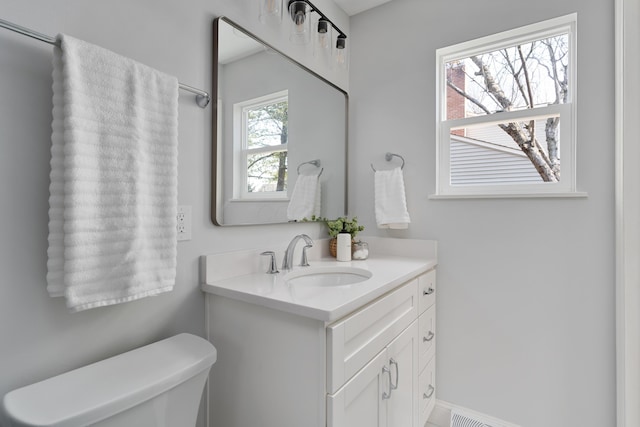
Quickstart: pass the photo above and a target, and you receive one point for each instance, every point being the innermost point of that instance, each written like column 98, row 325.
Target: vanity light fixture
column 341, row 59
column 323, row 36
column 322, row 42
column 299, row 11
column 300, row 32
column 270, row 11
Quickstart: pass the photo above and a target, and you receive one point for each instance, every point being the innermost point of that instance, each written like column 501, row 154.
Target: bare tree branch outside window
column 267, row 136
column 524, row 76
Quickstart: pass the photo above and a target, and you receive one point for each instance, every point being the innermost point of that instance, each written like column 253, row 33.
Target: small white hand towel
column 306, row 198
column 390, row 200
column 113, row 191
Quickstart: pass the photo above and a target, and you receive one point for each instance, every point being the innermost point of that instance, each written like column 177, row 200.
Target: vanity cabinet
column 386, row 334
column 372, row 367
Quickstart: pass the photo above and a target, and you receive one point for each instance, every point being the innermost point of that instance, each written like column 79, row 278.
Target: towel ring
column 388, row 158
column 315, row 163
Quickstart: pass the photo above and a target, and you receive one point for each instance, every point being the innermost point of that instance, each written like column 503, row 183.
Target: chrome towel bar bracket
column 388, row 157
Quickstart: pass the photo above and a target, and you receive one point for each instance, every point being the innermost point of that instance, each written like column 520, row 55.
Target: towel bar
column 202, row 98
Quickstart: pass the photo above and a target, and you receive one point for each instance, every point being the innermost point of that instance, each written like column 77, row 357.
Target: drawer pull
column 429, row 336
column 386, row 395
column 428, row 291
column 429, row 392
column 393, row 362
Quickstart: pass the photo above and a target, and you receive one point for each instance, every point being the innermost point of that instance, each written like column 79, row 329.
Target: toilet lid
column 100, row 390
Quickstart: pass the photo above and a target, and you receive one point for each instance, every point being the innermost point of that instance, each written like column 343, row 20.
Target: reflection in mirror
column 280, row 135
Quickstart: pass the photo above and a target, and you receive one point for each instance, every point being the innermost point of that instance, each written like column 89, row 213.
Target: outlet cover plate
column 184, row 222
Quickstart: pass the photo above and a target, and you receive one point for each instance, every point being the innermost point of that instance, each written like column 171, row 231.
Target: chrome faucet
column 273, row 265
column 287, row 262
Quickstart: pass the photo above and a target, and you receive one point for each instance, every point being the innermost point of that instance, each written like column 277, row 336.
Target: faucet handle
column 304, row 262
column 273, row 265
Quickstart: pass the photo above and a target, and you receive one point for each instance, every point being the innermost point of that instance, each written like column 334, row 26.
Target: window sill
column 573, row 195
column 260, row 200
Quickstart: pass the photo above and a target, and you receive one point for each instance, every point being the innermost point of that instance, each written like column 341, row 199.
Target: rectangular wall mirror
column 276, row 125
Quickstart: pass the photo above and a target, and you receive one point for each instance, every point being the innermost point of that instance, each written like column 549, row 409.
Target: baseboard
column 441, row 415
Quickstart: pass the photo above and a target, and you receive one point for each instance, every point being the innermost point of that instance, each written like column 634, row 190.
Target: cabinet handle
column 386, row 395
column 429, row 336
column 428, row 291
column 429, row 392
column 393, row 362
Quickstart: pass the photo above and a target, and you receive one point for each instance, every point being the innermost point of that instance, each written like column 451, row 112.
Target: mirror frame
column 216, row 170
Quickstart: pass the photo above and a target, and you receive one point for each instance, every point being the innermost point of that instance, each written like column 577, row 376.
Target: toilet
column 158, row 385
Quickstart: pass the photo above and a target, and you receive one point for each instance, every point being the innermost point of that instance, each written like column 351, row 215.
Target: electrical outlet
column 184, row 222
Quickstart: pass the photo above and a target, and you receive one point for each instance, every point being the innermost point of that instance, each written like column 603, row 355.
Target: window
column 506, row 113
column 260, row 154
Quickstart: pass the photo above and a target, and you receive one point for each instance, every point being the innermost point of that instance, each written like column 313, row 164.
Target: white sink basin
column 327, row 276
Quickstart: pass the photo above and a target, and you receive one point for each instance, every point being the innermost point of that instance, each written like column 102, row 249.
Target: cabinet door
column 361, row 402
column 402, row 406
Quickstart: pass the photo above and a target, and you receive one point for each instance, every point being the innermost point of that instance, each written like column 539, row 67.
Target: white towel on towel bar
column 113, row 191
column 306, row 198
column 390, row 200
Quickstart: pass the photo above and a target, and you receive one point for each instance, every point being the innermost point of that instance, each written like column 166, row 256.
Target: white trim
column 441, row 415
column 539, row 30
column 284, row 200
column 570, row 195
column 264, row 99
column 627, row 14
column 567, row 185
column 545, row 112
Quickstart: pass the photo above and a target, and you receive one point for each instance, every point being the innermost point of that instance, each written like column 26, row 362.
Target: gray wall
column 38, row 337
column 526, row 286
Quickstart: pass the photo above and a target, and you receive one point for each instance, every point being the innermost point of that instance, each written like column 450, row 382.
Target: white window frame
column 241, row 152
column 566, row 187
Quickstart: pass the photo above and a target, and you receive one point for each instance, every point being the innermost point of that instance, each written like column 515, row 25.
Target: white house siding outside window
column 506, row 113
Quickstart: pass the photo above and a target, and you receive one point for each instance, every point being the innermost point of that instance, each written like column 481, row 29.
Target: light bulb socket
column 341, row 42
column 323, row 25
column 298, row 11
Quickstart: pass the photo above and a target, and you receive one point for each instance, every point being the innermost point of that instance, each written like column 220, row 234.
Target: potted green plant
column 335, row 226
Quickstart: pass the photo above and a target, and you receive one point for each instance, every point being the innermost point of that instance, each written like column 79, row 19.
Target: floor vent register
column 462, row 419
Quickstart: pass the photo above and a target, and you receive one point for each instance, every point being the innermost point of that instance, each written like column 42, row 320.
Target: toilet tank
column 156, row 385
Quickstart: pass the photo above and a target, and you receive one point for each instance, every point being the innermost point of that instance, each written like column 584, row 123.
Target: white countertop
column 322, row 303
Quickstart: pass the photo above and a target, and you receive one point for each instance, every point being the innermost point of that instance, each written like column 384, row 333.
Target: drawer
column 427, row 391
column 427, row 340
column 355, row 340
column 427, row 290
